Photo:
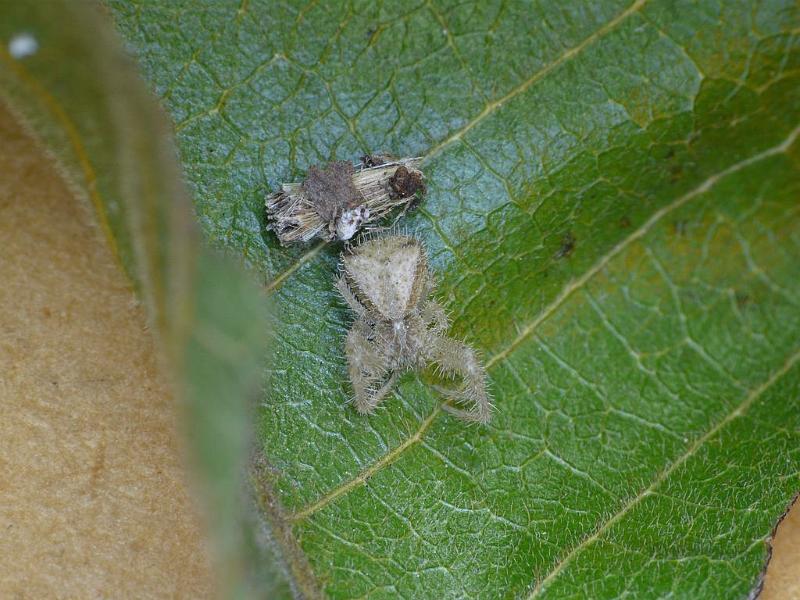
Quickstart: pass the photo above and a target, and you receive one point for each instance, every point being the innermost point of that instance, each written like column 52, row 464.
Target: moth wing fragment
column 331, row 189
column 335, row 201
column 379, row 186
column 292, row 216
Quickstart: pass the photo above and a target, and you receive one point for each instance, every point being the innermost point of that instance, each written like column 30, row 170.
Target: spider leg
column 431, row 283
column 350, row 297
column 457, row 359
column 368, row 369
column 377, row 395
column 434, row 316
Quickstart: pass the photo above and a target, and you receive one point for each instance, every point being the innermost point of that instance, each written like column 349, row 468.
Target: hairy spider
column 387, row 283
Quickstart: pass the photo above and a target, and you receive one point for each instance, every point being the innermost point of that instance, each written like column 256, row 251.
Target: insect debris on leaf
column 336, row 200
column 399, row 326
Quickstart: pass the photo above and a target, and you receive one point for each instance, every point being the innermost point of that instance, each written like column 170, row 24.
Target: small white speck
column 22, row 45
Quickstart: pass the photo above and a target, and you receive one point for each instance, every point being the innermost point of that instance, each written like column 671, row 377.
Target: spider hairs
column 399, row 326
column 336, row 200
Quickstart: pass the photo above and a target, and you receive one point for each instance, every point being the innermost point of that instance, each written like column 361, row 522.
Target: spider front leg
column 368, row 369
column 350, row 297
column 457, row 359
column 435, row 317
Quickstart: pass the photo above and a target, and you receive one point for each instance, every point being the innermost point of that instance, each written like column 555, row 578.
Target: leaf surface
column 613, row 214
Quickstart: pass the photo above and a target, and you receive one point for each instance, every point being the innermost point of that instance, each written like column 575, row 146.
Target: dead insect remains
column 335, row 201
column 399, row 326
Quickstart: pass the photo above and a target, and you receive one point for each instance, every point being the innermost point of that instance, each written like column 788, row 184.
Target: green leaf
column 82, row 97
column 613, row 212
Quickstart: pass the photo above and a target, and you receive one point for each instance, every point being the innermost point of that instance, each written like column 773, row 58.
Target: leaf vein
column 490, row 108
column 548, row 311
column 570, row 53
column 738, row 411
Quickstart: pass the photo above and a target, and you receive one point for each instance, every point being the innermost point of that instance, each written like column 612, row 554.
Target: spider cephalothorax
column 399, row 326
